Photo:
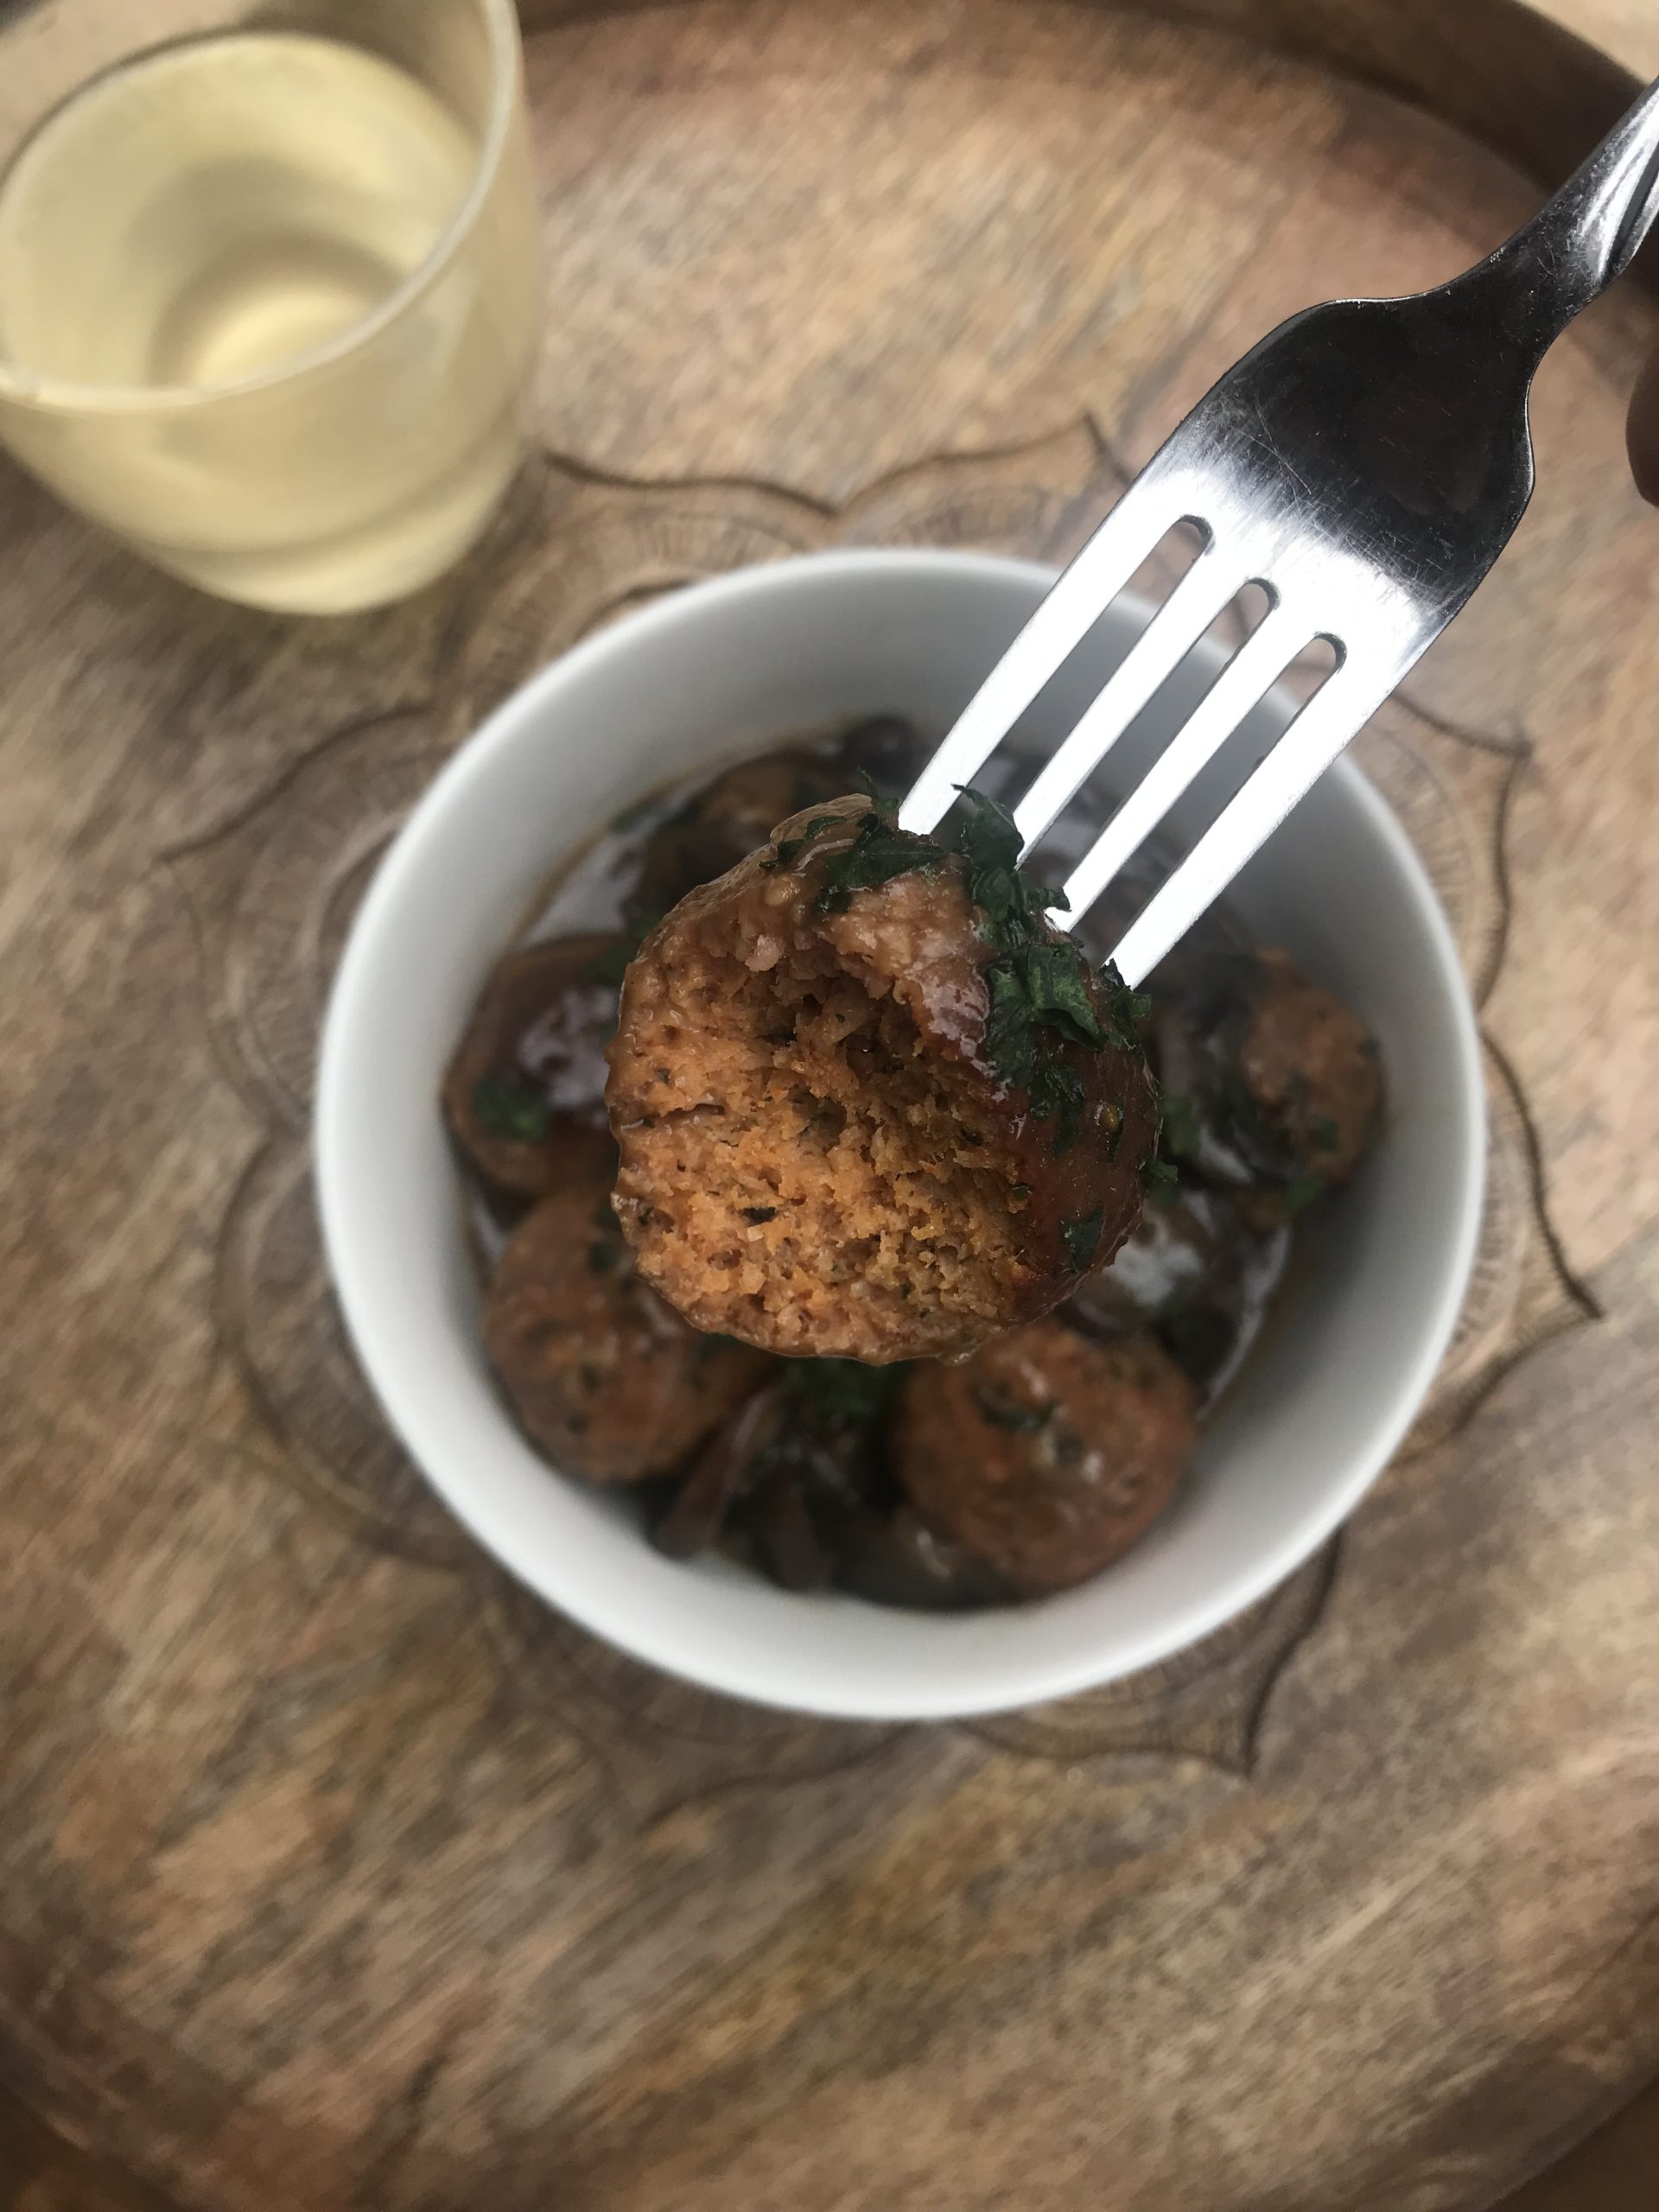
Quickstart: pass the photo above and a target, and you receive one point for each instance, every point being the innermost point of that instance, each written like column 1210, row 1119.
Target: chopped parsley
column 510, row 1109
column 884, row 803
column 877, row 855
column 841, row 1393
column 1043, row 996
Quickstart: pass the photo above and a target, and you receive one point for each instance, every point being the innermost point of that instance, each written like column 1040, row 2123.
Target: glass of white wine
column 270, row 281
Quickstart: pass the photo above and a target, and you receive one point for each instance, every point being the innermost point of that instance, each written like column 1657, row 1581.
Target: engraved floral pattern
column 271, row 895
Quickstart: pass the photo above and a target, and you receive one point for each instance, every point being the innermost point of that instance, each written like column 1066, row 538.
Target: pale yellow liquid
column 200, row 259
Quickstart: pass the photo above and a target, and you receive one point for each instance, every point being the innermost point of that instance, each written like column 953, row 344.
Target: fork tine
column 1153, row 504
column 1348, row 697
column 1242, row 683
column 1213, row 579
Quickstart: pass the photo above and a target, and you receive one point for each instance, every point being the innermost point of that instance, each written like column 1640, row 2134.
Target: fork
column 1364, row 465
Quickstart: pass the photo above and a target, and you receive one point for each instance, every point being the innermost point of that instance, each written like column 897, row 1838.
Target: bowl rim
column 1033, row 1679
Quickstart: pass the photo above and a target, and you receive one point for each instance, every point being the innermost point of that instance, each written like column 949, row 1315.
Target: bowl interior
column 710, row 674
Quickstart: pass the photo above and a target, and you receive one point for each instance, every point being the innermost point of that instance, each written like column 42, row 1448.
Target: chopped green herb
column 1302, row 1192
column 1041, row 995
column 510, row 1109
column 1011, row 903
column 1082, row 1238
column 1055, row 982
column 1009, row 1041
column 1019, row 1193
column 1324, row 1133
column 1003, row 1411
column 1127, row 1008
column 1022, row 986
column 877, row 855
column 842, row 1392
column 1159, row 1178
column 884, row 803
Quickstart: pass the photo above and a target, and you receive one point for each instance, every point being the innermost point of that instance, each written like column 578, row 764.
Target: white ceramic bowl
column 710, row 674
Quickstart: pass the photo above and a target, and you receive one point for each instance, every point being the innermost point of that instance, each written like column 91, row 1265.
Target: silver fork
column 1365, row 465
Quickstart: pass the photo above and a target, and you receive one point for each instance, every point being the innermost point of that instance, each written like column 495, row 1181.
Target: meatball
column 525, row 1096
column 604, row 1376
column 869, row 1105
column 887, row 750
column 725, row 822
column 1280, row 1084
column 1046, row 1455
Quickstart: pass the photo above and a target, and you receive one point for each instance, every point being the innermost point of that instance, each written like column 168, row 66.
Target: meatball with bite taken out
column 1047, row 1454
column 869, row 1104
column 603, row 1376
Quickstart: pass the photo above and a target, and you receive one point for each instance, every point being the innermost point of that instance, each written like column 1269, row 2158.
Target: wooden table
column 333, row 1872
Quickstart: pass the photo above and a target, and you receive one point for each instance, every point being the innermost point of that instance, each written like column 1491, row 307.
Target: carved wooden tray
column 335, row 1873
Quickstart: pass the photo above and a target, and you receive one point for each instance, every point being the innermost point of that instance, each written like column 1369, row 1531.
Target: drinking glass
column 270, row 281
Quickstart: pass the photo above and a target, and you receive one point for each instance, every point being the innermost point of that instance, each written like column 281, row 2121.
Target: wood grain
column 333, row 1873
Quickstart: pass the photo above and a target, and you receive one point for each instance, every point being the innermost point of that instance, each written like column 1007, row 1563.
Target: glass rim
column 47, row 395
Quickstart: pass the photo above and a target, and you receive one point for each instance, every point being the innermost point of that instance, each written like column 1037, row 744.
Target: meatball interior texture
column 524, row 1095
column 1046, row 1455
column 869, row 1104
column 603, row 1376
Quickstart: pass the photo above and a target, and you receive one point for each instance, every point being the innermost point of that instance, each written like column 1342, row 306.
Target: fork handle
column 1587, row 235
